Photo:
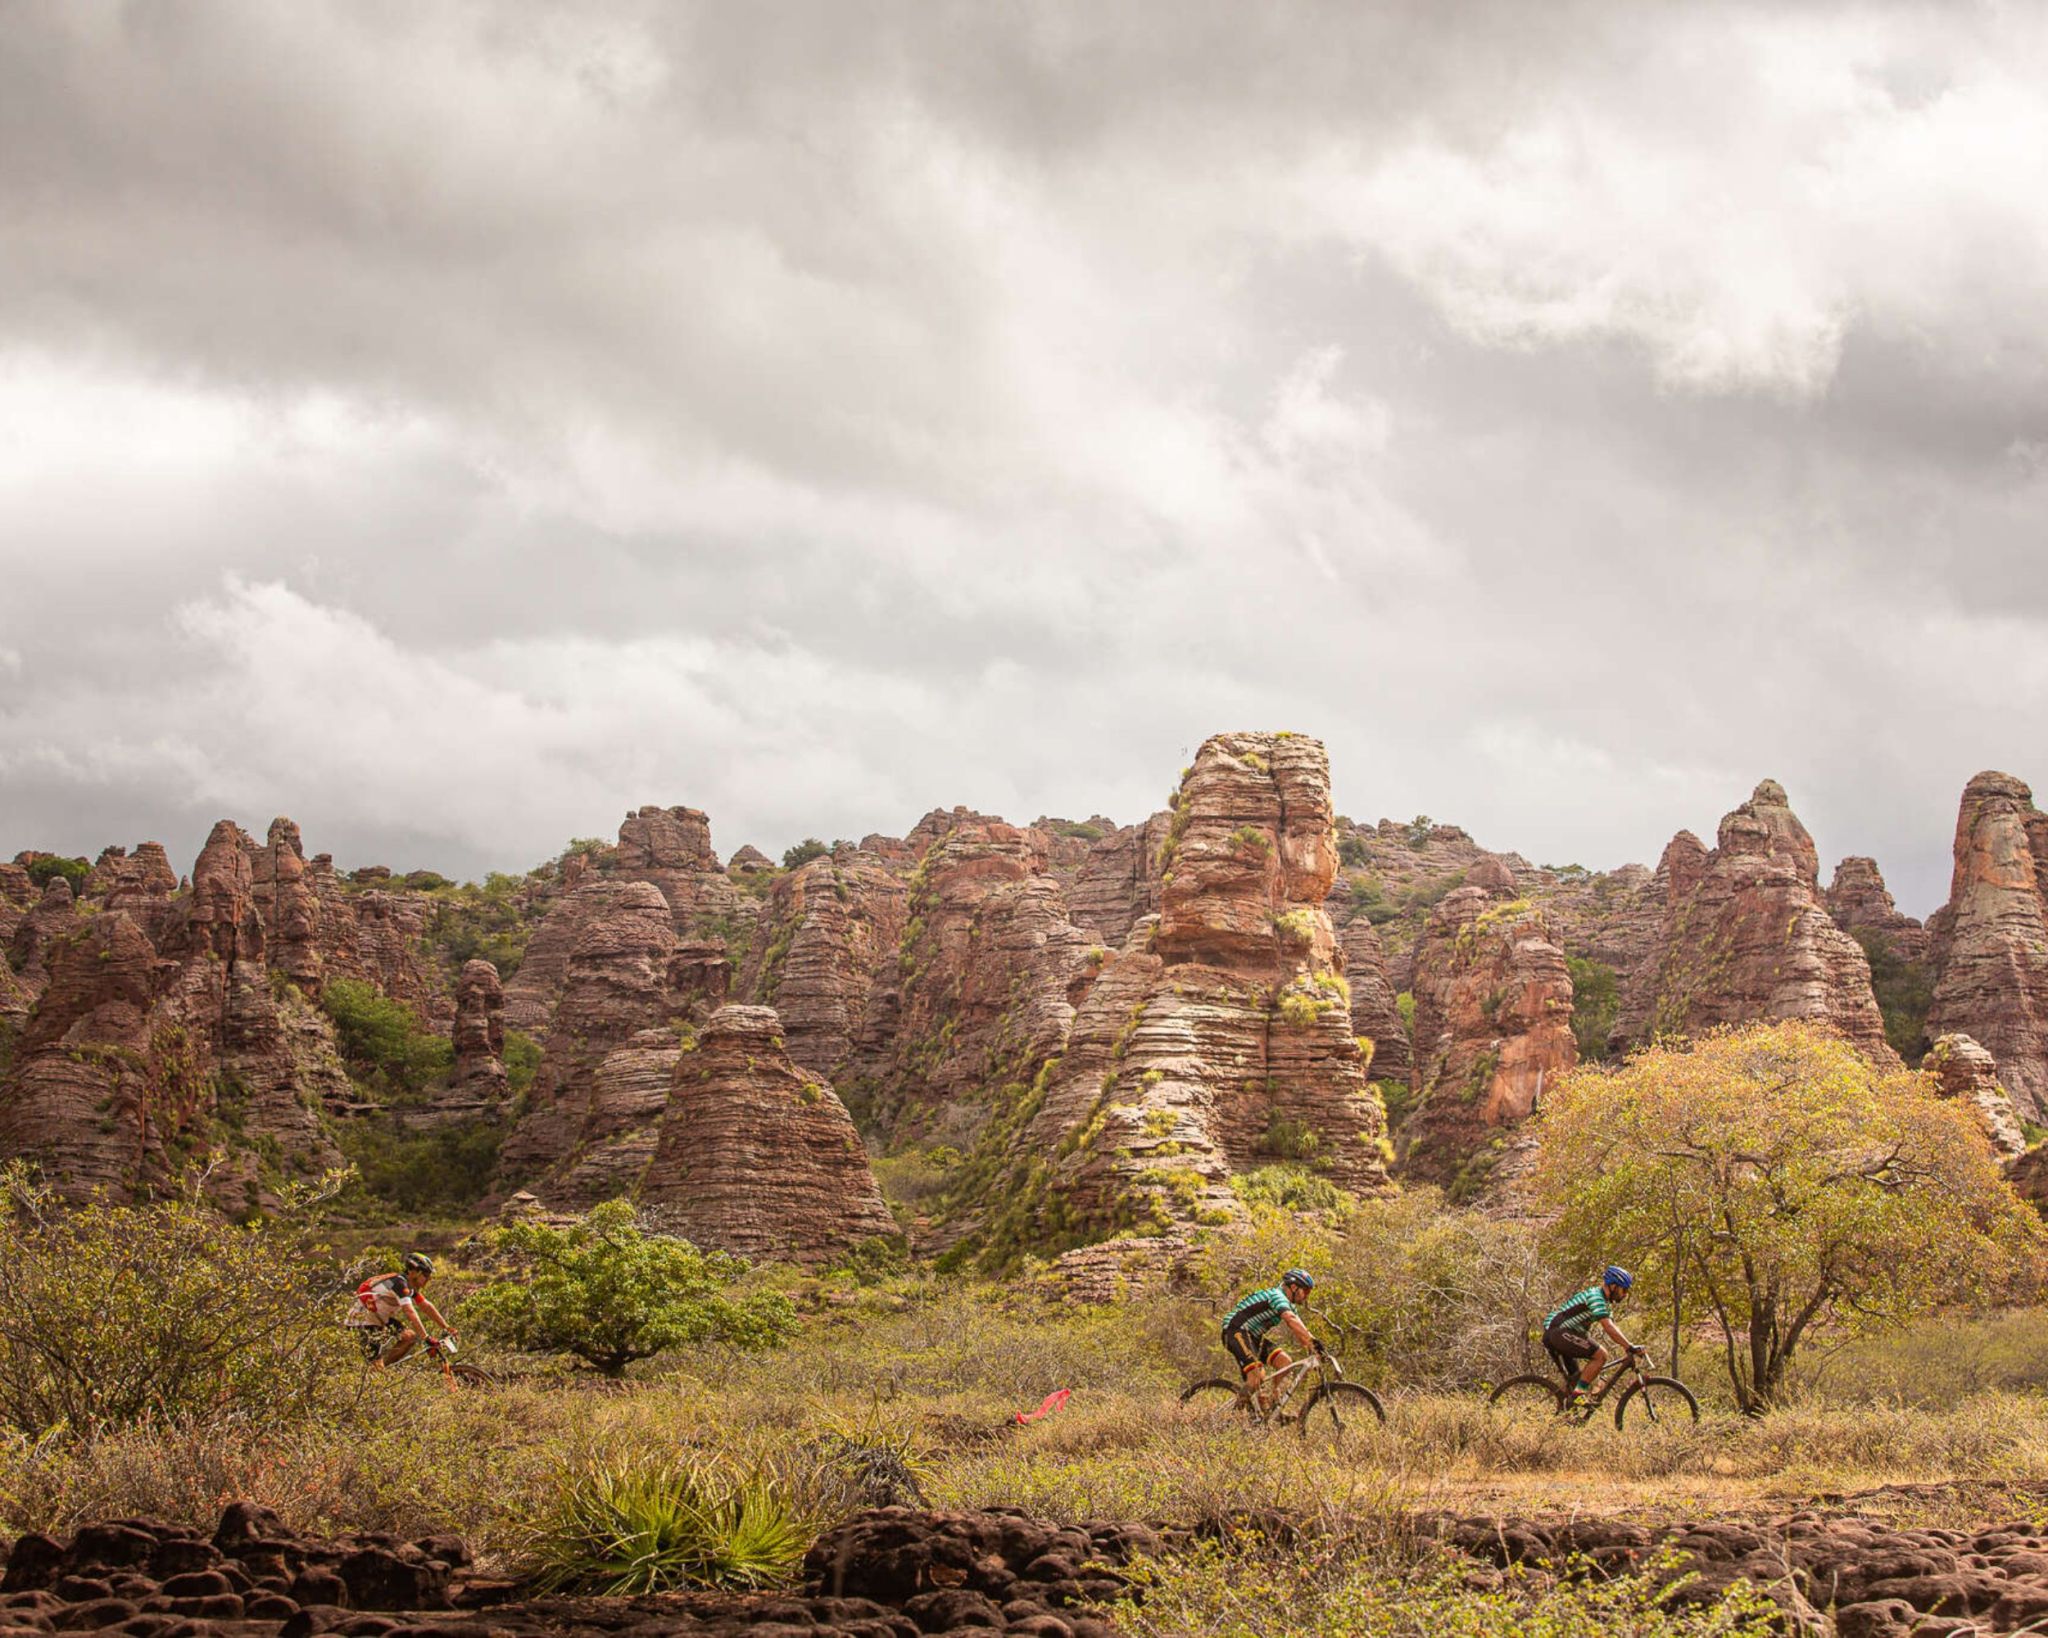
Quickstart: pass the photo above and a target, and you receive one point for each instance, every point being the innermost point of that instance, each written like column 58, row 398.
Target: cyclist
column 1249, row 1333
column 1567, row 1333
column 394, row 1301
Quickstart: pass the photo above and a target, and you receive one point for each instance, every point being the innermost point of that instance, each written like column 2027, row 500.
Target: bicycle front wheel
column 1337, row 1410
column 1657, row 1399
column 1217, row 1400
column 1528, row 1399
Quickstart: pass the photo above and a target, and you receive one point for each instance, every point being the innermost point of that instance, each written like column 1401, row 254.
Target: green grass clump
column 620, row 1528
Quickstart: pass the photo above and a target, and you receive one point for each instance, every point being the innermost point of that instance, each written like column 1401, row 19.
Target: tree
column 1809, row 1190
column 803, row 853
column 608, row 1292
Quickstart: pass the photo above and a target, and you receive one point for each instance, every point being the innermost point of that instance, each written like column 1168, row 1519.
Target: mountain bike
column 454, row 1374
column 1655, row 1398
column 1331, row 1408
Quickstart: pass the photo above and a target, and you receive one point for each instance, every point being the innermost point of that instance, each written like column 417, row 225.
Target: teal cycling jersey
column 1258, row 1313
column 1579, row 1313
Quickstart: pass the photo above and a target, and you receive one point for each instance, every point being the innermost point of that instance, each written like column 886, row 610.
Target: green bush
column 490, row 921
column 382, row 1041
column 521, row 1059
column 607, row 1292
column 1292, row 1188
column 1596, row 999
column 617, row 1529
column 46, row 869
column 447, row 1169
column 114, row 1316
column 803, row 853
column 1904, row 991
column 1354, row 851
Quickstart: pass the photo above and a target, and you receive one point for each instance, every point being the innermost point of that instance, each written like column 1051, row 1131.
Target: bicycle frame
column 1639, row 1363
column 1325, row 1366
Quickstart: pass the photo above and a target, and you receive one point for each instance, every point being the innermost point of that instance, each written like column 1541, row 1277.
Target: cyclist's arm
column 1297, row 1330
column 438, row 1320
column 410, row 1306
column 1614, row 1331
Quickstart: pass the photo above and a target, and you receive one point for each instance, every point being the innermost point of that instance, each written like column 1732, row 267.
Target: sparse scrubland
column 905, row 1388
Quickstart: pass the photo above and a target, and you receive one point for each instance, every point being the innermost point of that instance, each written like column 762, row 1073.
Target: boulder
column 1965, row 1073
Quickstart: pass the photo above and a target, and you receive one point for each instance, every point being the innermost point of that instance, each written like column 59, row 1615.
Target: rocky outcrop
column 621, row 1115
column 1746, row 937
column 757, row 1157
column 479, row 1080
column 1375, row 1008
column 668, row 849
column 1219, row 1038
column 53, row 916
column 1990, row 941
column 1965, row 1073
column 1116, row 884
column 616, row 984
column 830, row 928
column 141, row 884
column 981, row 989
column 1862, row 907
column 1493, row 1011
column 81, row 1100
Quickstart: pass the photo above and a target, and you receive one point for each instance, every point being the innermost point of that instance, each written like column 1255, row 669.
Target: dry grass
column 937, row 1380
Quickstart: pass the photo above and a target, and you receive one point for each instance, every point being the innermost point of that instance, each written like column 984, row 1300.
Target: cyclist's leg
column 1277, row 1360
column 1578, row 1353
column 400, row 1346
column 1240, row 1349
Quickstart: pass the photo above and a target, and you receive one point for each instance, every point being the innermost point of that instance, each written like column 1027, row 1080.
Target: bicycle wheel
column 1337, row 1410
column 1528, row 1398
column 1217, row 1400
column 1657, row 1399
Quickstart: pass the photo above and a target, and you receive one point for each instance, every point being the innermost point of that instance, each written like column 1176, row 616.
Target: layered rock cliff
column 755, row 1155
column 1989, row 943
column 1745, row 936
column 1493, row 1012
column 1218, row 1039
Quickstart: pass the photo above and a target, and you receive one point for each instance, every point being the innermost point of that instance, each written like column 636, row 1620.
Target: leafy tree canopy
column 1808, row 1189
column 608, row 1292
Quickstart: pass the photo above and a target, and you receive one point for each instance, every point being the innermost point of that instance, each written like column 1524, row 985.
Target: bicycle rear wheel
column 1660, row 1399
column 1528, row 1398
column 1217, row 1400
column 1338, row 1410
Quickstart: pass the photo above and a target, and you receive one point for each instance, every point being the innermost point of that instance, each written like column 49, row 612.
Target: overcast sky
column 452, row 425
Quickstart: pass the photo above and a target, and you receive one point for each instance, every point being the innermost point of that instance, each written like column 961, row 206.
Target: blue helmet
column 1617, row 1276
column 1300, row 1277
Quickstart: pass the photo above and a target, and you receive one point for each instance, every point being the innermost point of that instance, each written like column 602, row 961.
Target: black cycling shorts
column 1248, row 1353
column 1568, row 1344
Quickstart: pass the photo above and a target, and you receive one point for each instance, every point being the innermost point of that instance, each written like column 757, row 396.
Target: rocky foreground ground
column 898, row 1571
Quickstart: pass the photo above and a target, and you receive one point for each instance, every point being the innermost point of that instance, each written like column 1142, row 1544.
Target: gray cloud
column 455, row 426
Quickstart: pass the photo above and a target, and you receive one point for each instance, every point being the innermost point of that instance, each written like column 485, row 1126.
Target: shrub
column 1596, row 999
column 1904, row 991
column 445, row 1169
column 521, row 1058
column 607, row 1292
column 47, row 867
column 491, row 921
column 622, row 1528
column 804, row 852
column 1354, row 851
column 382, row 1041
column 114, row 1316
column 1292, row 1188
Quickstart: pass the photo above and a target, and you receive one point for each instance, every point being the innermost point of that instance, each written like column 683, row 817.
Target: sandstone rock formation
column 620, row 1114
column 1219, row 1038
column 1745, row 937
column 1116, row 885
column 1990, row 941
column 830, row 928
column 479, row 1079
column 982, row 988
column 1375, row 1008
column 140, row 884
column 1493, row 1010
column 1861, row 904
column 757, row 1157
column 1964, row 1072
column 668, row 849
column 615, row 984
